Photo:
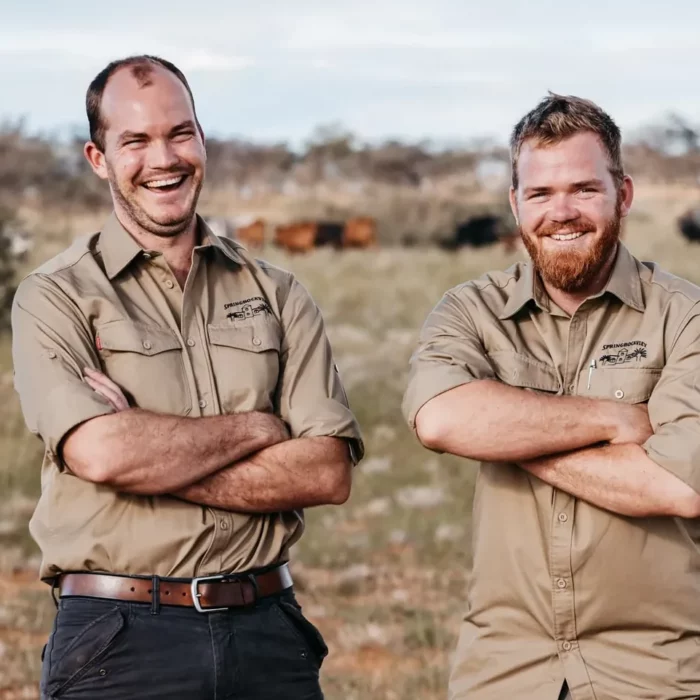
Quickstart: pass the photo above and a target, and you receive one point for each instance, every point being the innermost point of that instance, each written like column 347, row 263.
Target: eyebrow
column 594, row 182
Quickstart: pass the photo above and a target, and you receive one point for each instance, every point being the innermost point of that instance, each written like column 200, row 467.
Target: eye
column 183, row 135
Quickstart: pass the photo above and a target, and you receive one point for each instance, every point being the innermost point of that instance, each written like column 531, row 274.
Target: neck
column 176, row 249
column 570, row 301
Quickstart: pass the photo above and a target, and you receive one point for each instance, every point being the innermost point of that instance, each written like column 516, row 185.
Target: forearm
column 295, row 474
column 491, row 421
column 146, row 453
column 618, row 478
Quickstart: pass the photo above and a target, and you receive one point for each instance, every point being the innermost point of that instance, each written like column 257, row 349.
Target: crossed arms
column 588, row 448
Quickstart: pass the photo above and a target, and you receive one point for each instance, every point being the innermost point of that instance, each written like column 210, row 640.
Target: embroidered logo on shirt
column 620, row 353
column 249, row 308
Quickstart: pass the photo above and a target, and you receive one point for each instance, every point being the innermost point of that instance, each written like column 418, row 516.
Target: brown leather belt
column 205, row 593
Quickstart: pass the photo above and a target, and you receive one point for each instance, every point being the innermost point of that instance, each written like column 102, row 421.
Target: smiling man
column 191, row 409
column 575, row 379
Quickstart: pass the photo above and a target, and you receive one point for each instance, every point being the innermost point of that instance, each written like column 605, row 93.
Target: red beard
column 573, row 271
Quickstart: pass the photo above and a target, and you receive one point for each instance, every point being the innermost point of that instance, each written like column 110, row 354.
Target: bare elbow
column 688, row 504
column 430, row 427
column 338, row 484
column 88, row 454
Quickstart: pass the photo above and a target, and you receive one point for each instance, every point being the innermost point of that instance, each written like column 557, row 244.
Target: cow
column 360, row 232
column 296, row 238
column 252, row 235
column 480, row 231
column 689, row 225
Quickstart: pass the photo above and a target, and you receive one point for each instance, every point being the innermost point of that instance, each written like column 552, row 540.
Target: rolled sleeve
column 449, row 353
column 312, row 399
column 51, row 345
column 674, row 408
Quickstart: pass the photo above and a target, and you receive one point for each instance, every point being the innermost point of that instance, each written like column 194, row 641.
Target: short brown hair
column 141, row 66
column 558, row 117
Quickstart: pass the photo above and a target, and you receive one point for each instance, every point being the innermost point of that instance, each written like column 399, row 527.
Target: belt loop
column 155, row 595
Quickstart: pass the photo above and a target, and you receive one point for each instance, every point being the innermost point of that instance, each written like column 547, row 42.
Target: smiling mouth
column 163, row 185
column 567, row 236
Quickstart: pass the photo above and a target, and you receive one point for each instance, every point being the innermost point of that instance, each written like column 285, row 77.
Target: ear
column 96, row 158
column 513, row 199
column 627, row 195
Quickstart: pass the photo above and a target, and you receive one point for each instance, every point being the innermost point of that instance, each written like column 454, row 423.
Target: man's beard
column 573, row 271
column 128, row 202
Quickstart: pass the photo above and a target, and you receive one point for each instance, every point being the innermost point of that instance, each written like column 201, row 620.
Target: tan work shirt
column 242, row 336
column 561, row 588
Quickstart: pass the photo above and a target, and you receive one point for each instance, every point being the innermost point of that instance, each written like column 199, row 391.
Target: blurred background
column 364, row 147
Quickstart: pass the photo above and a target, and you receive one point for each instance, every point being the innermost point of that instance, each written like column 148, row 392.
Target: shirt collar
column 528, row 287
column 119, row 248
column 624, row 282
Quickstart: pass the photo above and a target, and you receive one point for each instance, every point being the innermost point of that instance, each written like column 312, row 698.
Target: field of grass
column 383, row 576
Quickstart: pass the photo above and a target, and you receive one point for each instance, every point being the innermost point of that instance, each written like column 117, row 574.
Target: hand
column 632, row 425
column 271, row 429
column 106, row 388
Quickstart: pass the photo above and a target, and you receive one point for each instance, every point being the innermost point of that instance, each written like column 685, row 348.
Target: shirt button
column 572, row 387
column 563, row 517
column 619, row 394
column 257, row 341
column 224, row 525
column 566, row 646
column 202, row 403
column 147, row 256
column 147, row 344
column 52, row 355
column 561, row 583
column 190, row 342
column 169, row 284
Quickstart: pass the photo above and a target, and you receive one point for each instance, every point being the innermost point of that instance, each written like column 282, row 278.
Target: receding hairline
column 142, row 72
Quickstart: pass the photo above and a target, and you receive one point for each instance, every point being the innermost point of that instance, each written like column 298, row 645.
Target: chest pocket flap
column 522, row 371
column 627, row 384
column 257, row 337
column 127, row 336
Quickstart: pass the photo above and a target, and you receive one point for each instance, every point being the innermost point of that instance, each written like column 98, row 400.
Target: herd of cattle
column 355, row 232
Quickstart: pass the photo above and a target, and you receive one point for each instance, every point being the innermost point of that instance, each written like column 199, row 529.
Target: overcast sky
column 412, row 69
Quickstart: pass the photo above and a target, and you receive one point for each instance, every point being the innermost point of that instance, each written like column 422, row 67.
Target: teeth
column 163, row 183
column 566, row 236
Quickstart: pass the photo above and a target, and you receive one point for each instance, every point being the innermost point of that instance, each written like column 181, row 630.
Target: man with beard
column 191, row 409
column 575, row 380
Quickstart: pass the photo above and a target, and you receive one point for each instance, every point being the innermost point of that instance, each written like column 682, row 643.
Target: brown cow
column 360, row 232
column 252, row 235
column 296, row 238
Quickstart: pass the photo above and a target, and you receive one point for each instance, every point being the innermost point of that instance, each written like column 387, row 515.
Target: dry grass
column 383, row 576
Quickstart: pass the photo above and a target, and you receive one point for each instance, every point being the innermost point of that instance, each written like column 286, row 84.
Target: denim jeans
column 114, row 650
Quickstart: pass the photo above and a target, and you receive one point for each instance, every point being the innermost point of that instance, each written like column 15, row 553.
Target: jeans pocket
column 303, row 629
column 77, row 646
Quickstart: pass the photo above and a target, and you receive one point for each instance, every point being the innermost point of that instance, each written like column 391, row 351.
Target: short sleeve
column 674, row 407
column 449, row 353
column 51, row 344
column 311, row 396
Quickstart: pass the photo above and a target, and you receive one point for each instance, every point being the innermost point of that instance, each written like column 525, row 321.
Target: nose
column 562, row 209
column 161, row 155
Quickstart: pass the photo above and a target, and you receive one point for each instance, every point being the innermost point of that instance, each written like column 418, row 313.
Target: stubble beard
column 128, row 203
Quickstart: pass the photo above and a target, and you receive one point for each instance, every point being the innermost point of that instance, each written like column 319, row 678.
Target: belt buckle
column 196, row 595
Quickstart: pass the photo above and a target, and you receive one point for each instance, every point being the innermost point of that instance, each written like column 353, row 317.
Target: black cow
column 689, row 225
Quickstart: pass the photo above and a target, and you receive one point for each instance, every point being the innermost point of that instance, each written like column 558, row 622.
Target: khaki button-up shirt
column 243, row 335
column 561, row 589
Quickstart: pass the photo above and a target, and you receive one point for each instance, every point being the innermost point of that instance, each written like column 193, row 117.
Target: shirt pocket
column 524, row 372
column 147, row 363
column 246, row 363
column 626, row 384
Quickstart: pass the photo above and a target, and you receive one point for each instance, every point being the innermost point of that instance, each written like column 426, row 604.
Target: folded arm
column 490, row 421
column 619, row 478
column 291, row 475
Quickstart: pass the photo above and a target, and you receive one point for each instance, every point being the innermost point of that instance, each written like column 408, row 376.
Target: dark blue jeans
column 110, row 650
